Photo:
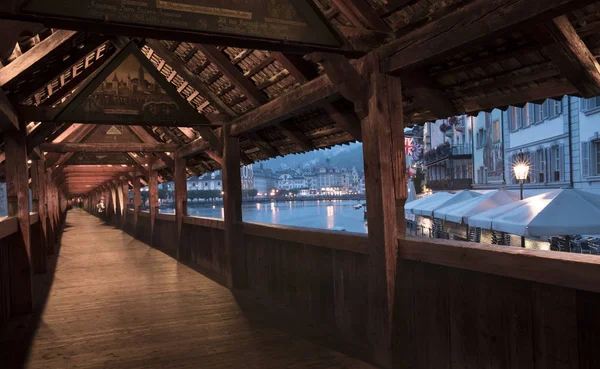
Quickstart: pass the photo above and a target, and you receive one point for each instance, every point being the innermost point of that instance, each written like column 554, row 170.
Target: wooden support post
column 236, row 273
column 137, row 200
column 38, row 242
column 17, row 190
column 50, row 221
column 385, row 176
column 114, row 205
column 180, row 205
column 43, row 203
column 153, row 198
column 125, row 191
column 118, row 203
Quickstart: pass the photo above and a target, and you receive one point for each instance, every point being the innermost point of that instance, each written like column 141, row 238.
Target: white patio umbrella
column 462, row 211
column 423, row 200
column 412, row 196
column 428, row 208
column 556, row 213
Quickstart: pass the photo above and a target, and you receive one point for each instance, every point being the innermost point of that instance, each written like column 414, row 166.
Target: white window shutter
column 585, row 159
column 561, row 151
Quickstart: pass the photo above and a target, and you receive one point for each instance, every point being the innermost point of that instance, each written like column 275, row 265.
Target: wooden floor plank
column 118, row 303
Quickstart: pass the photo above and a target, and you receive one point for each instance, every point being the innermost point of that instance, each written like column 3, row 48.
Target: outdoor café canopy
column 427, row 208
column 462, row 211
column 556, row 213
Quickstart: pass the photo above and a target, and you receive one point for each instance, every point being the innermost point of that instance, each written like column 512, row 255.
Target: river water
column 312, row 214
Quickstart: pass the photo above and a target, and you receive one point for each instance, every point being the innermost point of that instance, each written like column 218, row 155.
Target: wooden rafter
column 571, row 55
column 35, row 55
column 190, row 77
column 347, row 122
column 307, row 96
column 9, row 120
column 427, row 94
column 266, row 147
column 233, row 73
column 472, row 23
column 66, row 147
column 361, row 13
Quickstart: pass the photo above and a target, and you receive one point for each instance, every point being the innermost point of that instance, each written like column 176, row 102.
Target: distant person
column 100, row 207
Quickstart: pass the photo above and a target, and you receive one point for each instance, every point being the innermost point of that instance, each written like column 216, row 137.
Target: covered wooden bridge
column 98, row 97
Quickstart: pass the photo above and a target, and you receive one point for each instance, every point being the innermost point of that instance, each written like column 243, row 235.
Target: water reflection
column 312, row 214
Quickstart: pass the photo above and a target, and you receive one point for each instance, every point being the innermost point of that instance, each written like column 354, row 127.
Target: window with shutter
column 556, row 164
column 585, row 159
column 596, row 157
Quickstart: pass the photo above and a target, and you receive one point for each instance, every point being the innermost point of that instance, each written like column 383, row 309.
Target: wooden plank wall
column 452, row 318
column 206, row 246
column 327, row 286
column 5, row 278
column 143, row 231
column 165, row 234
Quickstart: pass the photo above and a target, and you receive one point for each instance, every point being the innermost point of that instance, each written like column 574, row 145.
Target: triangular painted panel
column 112, row 134
column 129, row 90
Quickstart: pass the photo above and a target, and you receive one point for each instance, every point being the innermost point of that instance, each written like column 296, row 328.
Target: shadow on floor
column 18, row 334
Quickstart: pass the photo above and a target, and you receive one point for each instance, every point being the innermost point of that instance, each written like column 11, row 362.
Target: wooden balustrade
column 471, row 306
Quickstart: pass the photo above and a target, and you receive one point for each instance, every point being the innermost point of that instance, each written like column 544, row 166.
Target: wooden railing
column 494, row 306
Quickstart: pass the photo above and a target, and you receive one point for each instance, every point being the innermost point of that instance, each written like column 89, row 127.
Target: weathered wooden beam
column 299, row 68
column 571, row 55
column 393, row 6
column 266, row 147
column 194, row 147
column 17, row 191
column 314, row 93
column 147, row 136
column 43, row 203
column 346, row 78
column 176, row 140
column 189, row 77
column 235, row 268
column 347, row 122
column 235, row 75
column 473, row 23
column 97, row 169
column 427, row 94
column 362, row 11
column 34, row 55
column 291, row 131
column 386, row 191
column 9, row 120
column 65, row 147
column 181, row 206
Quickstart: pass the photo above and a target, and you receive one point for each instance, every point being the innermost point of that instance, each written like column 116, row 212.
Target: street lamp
column 521, row 169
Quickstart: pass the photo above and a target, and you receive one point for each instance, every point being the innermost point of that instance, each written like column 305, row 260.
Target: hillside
column 345, row 156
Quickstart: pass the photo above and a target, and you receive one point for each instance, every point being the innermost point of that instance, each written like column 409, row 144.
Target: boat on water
column 357, row 206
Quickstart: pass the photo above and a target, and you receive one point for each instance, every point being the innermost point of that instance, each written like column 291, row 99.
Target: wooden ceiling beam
column 172, row 135
column 427, row 94
column 84, row 169
column 291, row 131
column 67, row 147
column 146, row 134
column 194, row 147
column 190, row 77
column 571, row 55
column 470, row 24
column 9, row 119
column 393, row 6
column 346, row 122
column 363, row 12
column 233, row 73
column 34, row 55
column 266, row 147
column 305, row 97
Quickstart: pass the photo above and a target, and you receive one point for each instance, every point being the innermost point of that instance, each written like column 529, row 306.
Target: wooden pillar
column 235, row 273
column 114, row 206
column 137, row 201
column 118, row 191
column 17, row 190
column 386, row 192
column 51, row 226
column 38, row 242
column 125, row 192
column 153, row 198
column 180, row 205
column 43, row 203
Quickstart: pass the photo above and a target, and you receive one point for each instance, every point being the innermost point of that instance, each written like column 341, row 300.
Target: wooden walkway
column 117, row 303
